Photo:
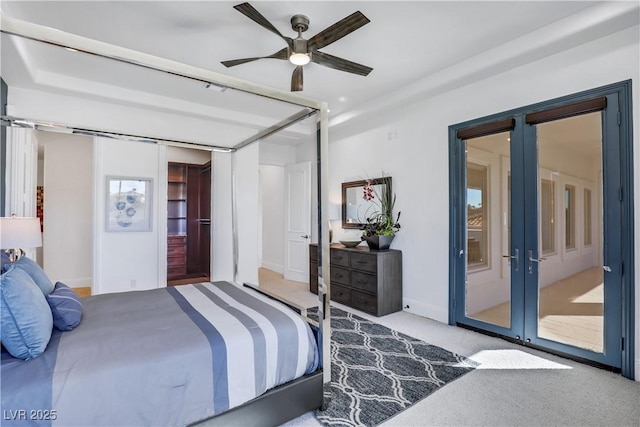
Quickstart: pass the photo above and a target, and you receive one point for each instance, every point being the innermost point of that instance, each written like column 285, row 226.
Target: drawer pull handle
column 361, row 262
column 362, row 281
column 337, row 257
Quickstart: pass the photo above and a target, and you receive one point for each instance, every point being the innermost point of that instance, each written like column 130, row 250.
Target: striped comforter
column 169, row 356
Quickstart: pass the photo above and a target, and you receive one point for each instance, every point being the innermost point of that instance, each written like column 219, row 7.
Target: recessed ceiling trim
column 64, row 128
column 63, row 39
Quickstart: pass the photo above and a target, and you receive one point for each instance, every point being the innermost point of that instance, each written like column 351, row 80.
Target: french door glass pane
column 570, row 274
column 488, row 279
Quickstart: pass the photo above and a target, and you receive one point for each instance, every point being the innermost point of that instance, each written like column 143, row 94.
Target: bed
column 185, row 387
column 167, row 356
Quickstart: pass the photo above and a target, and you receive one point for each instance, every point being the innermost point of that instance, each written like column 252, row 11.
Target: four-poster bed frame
column 299, row 396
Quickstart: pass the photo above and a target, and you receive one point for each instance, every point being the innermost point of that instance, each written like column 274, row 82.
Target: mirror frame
column 353, row 184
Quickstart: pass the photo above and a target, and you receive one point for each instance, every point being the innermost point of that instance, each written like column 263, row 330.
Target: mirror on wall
column 355, row 208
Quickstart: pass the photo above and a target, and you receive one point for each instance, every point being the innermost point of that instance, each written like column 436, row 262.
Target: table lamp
column 17, row 234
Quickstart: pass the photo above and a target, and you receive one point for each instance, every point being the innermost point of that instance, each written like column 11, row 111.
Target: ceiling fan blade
column 339, row 63
column 250, row 12
column 281, row 54
column 296, row 79
column 338, row 30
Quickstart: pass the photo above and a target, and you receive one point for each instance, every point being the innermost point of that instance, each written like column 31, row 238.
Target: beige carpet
column 514, row 385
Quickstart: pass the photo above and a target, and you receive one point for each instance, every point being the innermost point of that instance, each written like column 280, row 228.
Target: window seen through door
column 570, row 216
column 477, row 216
column 587, row 217
column 547, row 216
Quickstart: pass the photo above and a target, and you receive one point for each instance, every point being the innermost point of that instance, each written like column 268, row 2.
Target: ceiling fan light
column 299, row 59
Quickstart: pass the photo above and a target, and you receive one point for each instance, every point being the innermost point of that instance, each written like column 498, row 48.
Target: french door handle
column 532, row 260
column 515, row 257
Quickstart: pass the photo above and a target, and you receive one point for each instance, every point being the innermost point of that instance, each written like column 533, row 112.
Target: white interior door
column 297, row 221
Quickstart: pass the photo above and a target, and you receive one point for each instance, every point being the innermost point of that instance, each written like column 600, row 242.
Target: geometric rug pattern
column 377, row 372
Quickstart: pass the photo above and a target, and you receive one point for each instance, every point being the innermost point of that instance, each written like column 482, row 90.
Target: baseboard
column 78, row 283
column 425, row 310
column 278, row 268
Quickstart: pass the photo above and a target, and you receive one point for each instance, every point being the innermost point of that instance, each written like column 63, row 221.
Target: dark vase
column 378, row 243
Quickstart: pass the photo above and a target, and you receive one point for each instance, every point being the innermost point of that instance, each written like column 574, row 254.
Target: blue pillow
column 65, row 307
column 4, row 261
column 26, row 321
column 37, row 274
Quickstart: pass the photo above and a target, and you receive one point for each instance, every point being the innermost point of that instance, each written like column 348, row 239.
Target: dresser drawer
column 340, row 293
column 339, row 257
column 365, row 262
column 340, row 275
column 366, row 282
column 176, row 271
column 313, row 253
column 176, row 261
column 176, row 250
column 364, row 302
column 176, row 240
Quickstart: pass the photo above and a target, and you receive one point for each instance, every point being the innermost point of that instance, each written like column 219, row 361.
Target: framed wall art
column 129, row 204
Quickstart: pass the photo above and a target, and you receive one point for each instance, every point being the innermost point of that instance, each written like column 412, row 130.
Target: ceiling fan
column 300, row 51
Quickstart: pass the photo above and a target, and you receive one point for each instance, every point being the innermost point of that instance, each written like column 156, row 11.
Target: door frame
column 457, row 237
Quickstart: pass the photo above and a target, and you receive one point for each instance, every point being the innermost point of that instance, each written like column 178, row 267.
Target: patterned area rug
column 377, row 372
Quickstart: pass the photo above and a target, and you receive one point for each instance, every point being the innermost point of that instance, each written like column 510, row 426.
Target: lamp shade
column 20, row 233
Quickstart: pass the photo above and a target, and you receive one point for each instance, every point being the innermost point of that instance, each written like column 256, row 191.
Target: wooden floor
column 198, row 278
column 296, row 292
column 571, row 311
column 84, row 291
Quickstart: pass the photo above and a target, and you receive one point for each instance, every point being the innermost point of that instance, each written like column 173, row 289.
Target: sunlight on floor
column 513, row 359
column 570, row 311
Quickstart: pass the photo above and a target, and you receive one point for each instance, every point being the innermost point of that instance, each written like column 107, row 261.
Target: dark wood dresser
column 176, row 256
column 366, row 280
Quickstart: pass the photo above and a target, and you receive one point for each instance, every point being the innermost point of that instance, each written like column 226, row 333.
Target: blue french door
column 537, row 230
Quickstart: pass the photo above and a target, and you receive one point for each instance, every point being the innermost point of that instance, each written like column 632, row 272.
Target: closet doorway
column 539, row 238
column 188, row 216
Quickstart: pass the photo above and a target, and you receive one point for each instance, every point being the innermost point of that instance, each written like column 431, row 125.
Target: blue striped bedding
column 169, row 356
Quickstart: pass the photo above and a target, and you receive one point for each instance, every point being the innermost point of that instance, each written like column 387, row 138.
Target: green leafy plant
column 381, row 221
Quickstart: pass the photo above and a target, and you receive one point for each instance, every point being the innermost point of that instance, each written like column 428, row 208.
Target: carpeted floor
column 378, row 372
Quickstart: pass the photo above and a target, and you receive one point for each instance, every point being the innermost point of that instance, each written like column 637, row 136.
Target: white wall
column 127, row 261
column 274, row 152
column 68, row 208
column 410, row 143
column 245, row 174
column 221, row 218
column 272, row 179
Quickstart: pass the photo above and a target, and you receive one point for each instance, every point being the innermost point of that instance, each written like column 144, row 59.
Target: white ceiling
column 406, row 43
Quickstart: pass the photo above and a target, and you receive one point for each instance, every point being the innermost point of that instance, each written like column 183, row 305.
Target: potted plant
column 380, row 227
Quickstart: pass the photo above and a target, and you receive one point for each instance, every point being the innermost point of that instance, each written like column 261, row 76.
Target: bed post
column 324, row 290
